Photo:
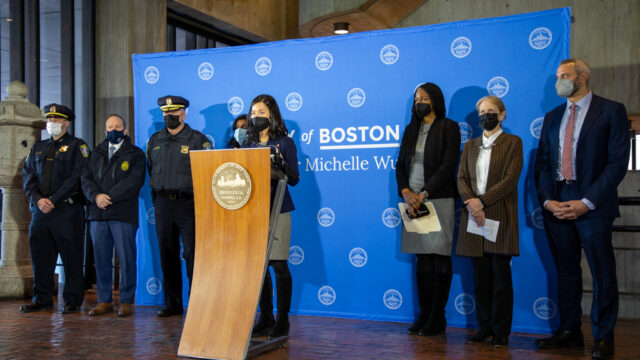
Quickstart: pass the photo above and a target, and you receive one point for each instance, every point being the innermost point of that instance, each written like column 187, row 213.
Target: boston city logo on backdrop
column 536, row 127
column 152, row 74
column 235, row 105
column 392, row 299
column 389, row 54
column 536, row 218
column 540, row 38
column 326, row 295
column 498, row 86
column 151, row 215
column 356, row 97
column 461, row 47
column 296, row 255
column 544, row 308
column 391, row 217
column 326, row 217
column 154, row 286
column 465, row 304
column 263, row 66
column 324, row 61
column 358, row 257
column 294, row 101
column 466, row 131
column 205, row 71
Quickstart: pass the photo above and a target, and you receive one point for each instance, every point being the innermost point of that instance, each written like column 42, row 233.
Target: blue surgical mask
column 240, row 135
column 115, row 136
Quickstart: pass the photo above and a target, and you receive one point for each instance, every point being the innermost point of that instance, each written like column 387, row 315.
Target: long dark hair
column 408, row 147
column 277, row 128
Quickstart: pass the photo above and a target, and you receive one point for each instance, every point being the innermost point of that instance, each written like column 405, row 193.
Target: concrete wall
column 606, row 33
column 123, row 28
column 311, row 9
column 269, row 19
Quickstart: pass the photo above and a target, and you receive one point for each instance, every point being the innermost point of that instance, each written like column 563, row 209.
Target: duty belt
column 174, row 194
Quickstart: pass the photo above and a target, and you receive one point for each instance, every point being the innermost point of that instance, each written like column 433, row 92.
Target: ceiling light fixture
column 341, row 28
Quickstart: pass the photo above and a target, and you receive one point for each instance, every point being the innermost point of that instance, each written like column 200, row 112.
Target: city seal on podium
column 231, row 186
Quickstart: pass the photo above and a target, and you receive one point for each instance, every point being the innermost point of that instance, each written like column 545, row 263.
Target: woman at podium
column 266, row 129
column 425, row 172
column 487, row 181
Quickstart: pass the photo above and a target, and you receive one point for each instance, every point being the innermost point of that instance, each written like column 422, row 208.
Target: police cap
column 172, row 103
column 60, row 111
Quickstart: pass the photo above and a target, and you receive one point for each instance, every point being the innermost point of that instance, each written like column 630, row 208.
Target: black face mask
column 172, row 121
column 115, row 136
column 259, row 123
column 488, row 121
column 423, row 109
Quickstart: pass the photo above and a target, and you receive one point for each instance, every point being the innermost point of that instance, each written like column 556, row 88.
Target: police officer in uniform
column 112, row 186
column 51, row 181
column 172, row 191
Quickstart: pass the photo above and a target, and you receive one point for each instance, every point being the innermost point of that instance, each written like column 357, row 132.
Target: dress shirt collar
column 582, row 103
column 488, row 141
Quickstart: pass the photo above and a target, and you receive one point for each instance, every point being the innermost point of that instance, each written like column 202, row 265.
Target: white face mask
column 54, row 129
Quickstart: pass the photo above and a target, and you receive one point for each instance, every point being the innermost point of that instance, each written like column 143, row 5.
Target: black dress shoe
column 281, row 327
column 434, row 327
column 264, row 325
column 500, row 341
column 166, row 312
column 481, row 335
column 33, row 307
column 419, row 324
column 70, row 309
column 602, row 349
column 561, row 339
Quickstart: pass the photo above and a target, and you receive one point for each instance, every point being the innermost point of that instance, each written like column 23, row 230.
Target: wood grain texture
column 230, row 258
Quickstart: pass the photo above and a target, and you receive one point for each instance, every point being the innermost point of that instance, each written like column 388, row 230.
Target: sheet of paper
column 423, row 225
column 489, row 231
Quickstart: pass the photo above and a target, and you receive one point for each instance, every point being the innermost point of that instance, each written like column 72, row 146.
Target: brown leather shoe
column 101, row 309
column 125, row 310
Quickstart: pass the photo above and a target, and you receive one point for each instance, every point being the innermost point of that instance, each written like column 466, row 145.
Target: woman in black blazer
column 426, row 172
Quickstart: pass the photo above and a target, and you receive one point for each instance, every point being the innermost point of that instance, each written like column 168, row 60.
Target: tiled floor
column 50, row 335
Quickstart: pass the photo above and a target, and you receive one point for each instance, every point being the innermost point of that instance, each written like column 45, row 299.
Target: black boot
column 437, row 323
column 265, row 321
column 283, row 291
column 425, row 296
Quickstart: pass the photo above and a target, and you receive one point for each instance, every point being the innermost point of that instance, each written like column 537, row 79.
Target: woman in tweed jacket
column 487, row 182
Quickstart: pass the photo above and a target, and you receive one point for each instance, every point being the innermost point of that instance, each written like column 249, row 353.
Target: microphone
column 280, row 164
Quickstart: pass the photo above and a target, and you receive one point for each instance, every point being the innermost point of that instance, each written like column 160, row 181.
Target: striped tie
column 567, row 147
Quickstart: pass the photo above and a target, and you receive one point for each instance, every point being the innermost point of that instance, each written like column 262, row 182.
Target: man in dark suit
column 582, row 157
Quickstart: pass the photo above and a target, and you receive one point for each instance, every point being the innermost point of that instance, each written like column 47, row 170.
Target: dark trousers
column 284, row 285
column 122, row 235
column 494, row 293
column 60, row 231
column 175, row 220
column 433, row 275
column 566, row 237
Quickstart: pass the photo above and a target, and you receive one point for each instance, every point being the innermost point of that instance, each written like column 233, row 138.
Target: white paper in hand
column 489, row 231
column 423, row 225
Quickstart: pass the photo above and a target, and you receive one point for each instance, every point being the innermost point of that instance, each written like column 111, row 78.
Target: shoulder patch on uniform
column 84, row 149
column 207, row 146
column 185, row 149
column 124, row 166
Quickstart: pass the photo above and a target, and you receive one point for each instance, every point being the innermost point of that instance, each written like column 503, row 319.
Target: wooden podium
column 230, row 254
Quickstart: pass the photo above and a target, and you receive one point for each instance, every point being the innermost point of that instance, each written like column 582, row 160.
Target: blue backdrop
column 346, row 100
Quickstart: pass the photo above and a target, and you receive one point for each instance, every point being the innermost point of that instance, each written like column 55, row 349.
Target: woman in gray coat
column 426, row 172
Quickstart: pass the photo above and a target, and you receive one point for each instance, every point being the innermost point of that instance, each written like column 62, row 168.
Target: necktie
column 45, row 185
column 112, row 149
column 567, row 145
